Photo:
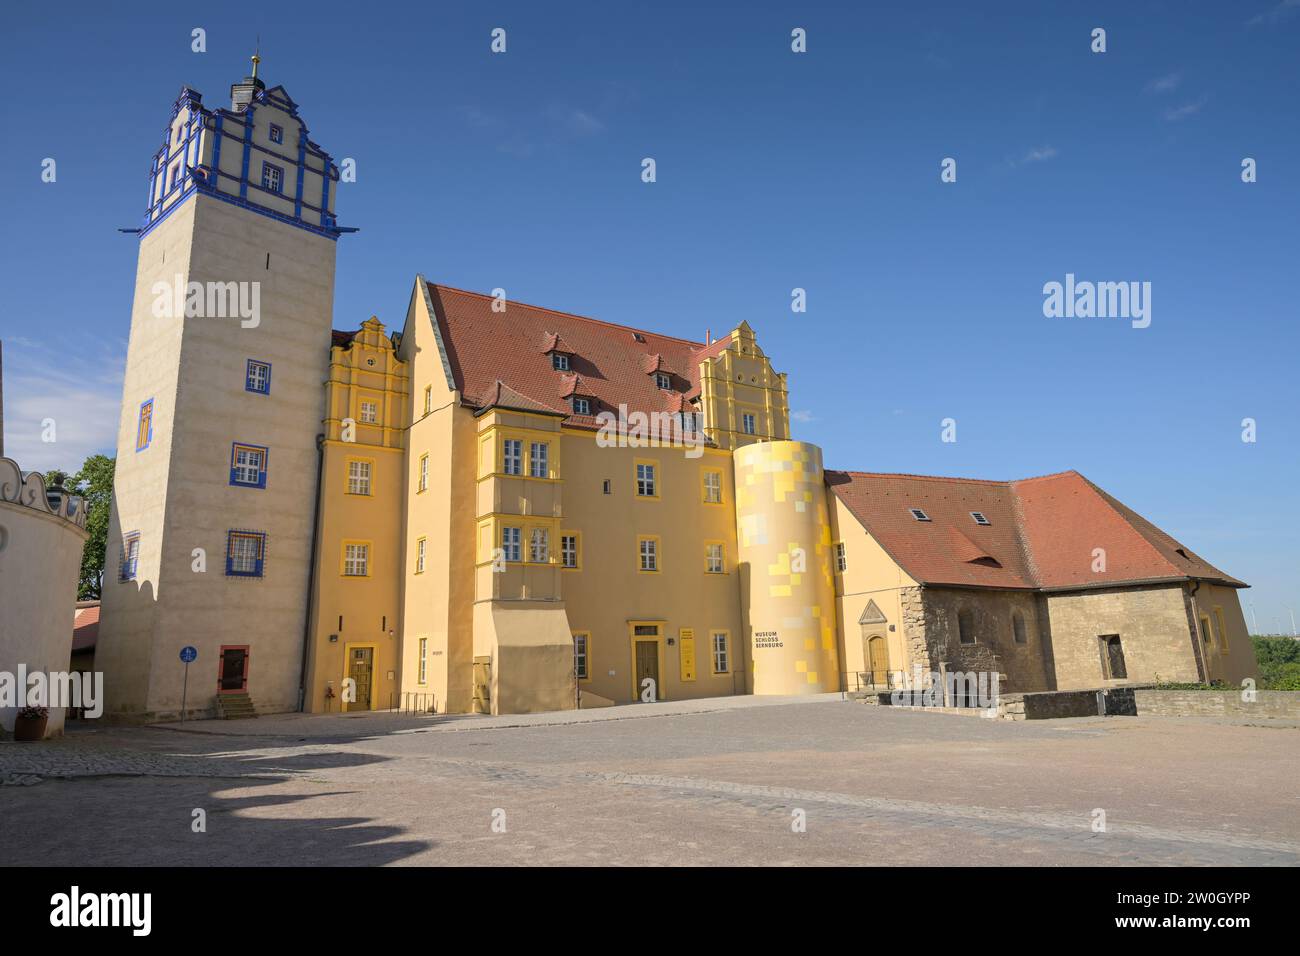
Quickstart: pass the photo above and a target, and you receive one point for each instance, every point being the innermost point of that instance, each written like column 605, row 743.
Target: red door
column 232, row 669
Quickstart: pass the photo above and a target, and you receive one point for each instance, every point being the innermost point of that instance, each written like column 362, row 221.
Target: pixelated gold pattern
column 784, row 534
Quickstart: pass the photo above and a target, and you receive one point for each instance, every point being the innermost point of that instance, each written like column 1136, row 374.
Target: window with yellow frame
column 711, row 479
column 645, row 478
column 1223, row 631
column 355, row 559
column 647, row 547
column 571, row 550
column 715, row 557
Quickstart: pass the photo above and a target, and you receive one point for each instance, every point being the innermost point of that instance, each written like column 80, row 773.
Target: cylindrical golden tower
column 784, row 536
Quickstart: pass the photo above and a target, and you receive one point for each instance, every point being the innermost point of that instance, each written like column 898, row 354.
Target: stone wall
column 1213, row 703
column 1152, row 624
column 930, row 621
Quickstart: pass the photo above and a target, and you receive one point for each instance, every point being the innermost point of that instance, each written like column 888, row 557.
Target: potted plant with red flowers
column 30, row 723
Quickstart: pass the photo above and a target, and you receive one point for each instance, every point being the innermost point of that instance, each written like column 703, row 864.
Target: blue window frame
column 272, row 177
column 144, row 425
column 248, row 465
column 277, row 134
column 245, row 554
column 257, row 377
column 130, row 556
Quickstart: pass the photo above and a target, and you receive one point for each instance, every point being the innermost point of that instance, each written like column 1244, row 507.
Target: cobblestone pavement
column 676, row 785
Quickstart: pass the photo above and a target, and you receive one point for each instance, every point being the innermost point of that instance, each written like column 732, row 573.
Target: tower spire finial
column 257, row 55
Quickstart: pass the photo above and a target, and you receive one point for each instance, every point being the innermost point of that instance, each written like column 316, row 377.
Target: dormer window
column 559, row 361
column 663, row 380
column 980, row 519
column 638, row 336
column 918, row 514
column 581, row 406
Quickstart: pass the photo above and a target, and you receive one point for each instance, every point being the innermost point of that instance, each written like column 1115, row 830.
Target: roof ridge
column 903, row 474
column 572, row 315
column 979, row 481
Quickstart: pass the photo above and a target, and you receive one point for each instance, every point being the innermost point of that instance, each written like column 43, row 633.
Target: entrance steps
column 235, row 706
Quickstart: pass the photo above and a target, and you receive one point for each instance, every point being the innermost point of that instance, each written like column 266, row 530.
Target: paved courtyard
column 716, row 782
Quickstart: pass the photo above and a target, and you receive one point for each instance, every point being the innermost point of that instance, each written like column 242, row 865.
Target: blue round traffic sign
column 189, row 654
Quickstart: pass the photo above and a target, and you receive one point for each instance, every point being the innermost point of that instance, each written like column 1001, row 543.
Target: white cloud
column 1278, row 13
column 1039, row 154
column 81, row 392
column 1186, row 110
column 1165, row 84
column 802, row 416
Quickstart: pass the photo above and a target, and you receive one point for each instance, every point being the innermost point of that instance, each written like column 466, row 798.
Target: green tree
column 94, row 483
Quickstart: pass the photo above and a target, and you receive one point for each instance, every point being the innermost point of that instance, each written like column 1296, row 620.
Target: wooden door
column 647, row 665
column 878, row 660
column 361, row 670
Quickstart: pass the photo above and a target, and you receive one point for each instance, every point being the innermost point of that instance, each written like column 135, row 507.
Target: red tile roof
column 1042, row 532
column 608, row 364
column 85, row 628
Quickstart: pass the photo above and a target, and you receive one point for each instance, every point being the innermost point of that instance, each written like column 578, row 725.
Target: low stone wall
column 1050, row 705
column 1217, row 703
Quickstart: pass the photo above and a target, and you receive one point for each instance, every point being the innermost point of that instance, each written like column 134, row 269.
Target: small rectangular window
column 720, row 662
column 979, row 518
column 130, row 556
column 581, row 406
column 144, row 426
column 569, row 550
column 272, row 177
column 841, row 561
column 748, row 424
column 537, row 454
column 257, row 377
column 649, row 549
column 419, row 555
column 428, row 399
column 580, row 655
column 277, row 134
column 245, row 554
column 356, row 560
column 605, row 487
column 512, row 456
column 714, row 563
column 663, row 380
column 248, row 465
column 369, row 414
column 512, row 544
column 712, row 487
column 423, row 481
column 424, row 661
column 645, row 480
column 559, row 361
column 918, row 514
column 358, row 477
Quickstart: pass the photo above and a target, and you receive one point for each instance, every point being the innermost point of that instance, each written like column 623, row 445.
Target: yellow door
column 878, row 660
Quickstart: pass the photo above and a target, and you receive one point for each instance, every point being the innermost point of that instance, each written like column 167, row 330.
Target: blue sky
column 775, row 170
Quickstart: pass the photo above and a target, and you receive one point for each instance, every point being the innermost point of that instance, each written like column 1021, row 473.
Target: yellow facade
column 354, row 649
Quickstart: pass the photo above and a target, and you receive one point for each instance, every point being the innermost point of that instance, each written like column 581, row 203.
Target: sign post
column 188, row 655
